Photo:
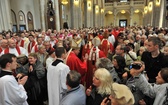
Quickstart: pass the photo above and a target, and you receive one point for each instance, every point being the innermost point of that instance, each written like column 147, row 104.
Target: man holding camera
column 136, row 72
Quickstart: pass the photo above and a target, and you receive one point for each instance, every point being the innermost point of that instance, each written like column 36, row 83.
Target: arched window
column 30, row 21
column 22, row 21
column 14, row 21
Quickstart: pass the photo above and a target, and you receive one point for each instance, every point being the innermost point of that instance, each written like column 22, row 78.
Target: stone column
column 57, row 15
column 5, row 15
column 76, row 15
column 43, row 14
column 1, row 19
column 115, row 15
column 89, row 17
column 102, row 18
column 96, row 16
column 161, row 13
column 80, row 14
column 131, row 15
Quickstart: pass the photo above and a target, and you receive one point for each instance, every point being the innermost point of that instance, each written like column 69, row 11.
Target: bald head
column 4, row 43
column 11, row 43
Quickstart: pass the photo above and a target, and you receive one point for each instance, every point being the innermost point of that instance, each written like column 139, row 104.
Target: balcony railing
column 138, row 2
column 123, row 3
column 108, row 4
column 135, row 2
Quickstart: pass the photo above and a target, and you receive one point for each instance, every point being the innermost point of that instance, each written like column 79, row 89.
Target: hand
column 104, row 101
column 142, row 102
column 135, row 72
column 19, row 75
column 125, row 75
column 22, row 80
column 86, row 57
column 30, row 68
column 88, row 91
column 109, row 51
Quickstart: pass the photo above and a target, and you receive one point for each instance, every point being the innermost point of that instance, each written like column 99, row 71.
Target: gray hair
column 104, row 63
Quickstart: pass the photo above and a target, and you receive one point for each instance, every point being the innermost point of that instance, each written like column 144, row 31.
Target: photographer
column 133, row 82
column 158, row 90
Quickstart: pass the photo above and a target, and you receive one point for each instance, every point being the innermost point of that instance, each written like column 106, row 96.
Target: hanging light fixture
column 76, row 2
column 109, row 12
column 64, row 2
column 102, row 10
column 146, row 8
column 150, row 6
column 97, row 9
column 136, row 11
column 158, row 2
column 123, row 11
column 89, row 5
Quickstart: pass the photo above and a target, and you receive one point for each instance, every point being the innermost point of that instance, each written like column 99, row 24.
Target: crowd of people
column 88, row 66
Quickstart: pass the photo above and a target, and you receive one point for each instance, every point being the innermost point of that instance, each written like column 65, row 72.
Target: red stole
column 29, row 49
column 0, row 49
column 36, row 48
column 17, row 48
column 21, row 43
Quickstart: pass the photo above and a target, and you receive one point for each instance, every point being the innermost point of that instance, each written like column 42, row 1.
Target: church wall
column 109, row 18
column 25, row 6
column 137, row 19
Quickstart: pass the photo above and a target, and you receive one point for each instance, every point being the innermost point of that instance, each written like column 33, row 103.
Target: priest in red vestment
column 86, row 48
column 94, row 54
column 105, row 45
column 74, row 62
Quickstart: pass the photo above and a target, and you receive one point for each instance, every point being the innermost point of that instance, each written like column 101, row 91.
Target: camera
column 135, row 66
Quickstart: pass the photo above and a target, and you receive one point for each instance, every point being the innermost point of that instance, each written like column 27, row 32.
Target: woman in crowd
column 101, row 88
column 119, row 65
column 121, row 95
column 34, row 85
column 158, row 90
column 107, row 64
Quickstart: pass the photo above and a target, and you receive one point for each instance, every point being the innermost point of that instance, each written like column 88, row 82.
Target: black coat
column 154, row 65
column 95, row 98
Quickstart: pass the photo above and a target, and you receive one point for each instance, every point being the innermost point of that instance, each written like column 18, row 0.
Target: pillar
column 42, row 14
column 57, row 14
column 5, row 12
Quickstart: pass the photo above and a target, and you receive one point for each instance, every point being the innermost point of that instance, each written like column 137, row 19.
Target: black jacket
column 154, row 65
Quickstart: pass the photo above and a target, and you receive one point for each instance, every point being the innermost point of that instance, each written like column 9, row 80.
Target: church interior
column 18, row 15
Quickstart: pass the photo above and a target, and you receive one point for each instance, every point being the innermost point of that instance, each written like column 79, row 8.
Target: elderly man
column 13, row 49
column 75, row 63
column 3, row 44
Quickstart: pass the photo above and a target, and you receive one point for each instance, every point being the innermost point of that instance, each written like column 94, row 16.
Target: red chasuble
column 91, row 66
column 106, row 46
column 76, row 64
